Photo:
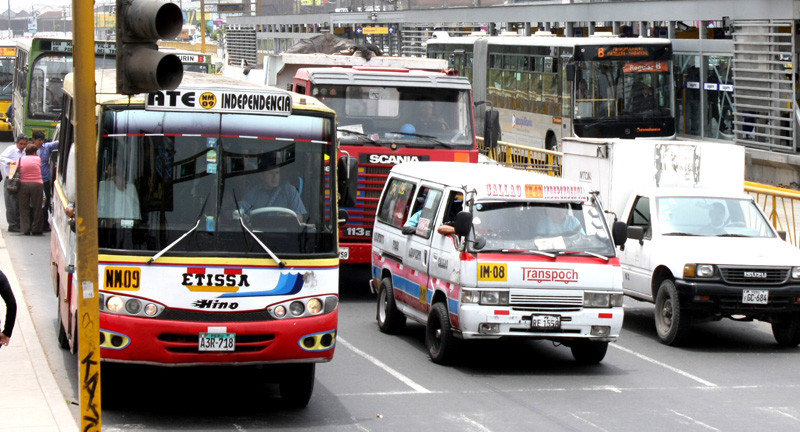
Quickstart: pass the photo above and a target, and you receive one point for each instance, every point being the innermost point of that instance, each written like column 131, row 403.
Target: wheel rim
column 666, row 314
column 384, row 302
column 436, row 337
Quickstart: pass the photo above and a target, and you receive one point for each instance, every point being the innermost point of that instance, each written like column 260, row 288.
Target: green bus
column 42, row 63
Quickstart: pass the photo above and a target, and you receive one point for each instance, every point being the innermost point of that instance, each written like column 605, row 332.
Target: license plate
column 217, row 342
column 755, row 296
column 344, row 253
column 545, row 322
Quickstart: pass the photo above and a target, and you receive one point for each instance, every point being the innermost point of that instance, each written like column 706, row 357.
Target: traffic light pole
column 86, row 208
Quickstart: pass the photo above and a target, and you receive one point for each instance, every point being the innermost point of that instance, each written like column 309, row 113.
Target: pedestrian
column 30, row 192
column 44, row 152
column 11, row 309
column 8, row 159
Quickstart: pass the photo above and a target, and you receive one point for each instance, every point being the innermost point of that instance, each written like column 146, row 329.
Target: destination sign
column 271, row 103
column 100, row 48
column 623, row 52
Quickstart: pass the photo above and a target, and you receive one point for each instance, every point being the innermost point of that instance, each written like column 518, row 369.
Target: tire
column 551, row 142
column 296, row 385
column 439, row 339
column 390, row 319
column 589, row 352
column 63, row 340
column 786, row 329
column 672, row 321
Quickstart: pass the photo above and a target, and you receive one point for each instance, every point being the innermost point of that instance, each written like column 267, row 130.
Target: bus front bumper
column 152, row 341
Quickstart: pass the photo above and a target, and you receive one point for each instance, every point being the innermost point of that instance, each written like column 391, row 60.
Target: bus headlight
column 115, row 304
column 133, row 306
column 297, row 308
column 485, row 297
column 314, row 306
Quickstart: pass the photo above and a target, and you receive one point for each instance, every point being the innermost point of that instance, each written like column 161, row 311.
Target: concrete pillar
column 527, row 29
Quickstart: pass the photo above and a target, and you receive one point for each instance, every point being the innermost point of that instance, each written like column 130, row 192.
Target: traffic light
column 141, row 68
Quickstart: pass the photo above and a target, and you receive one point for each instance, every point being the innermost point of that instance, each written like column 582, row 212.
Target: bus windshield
column 406, row 116
column 6, row 78
column 238, row 183
column 47, row 80
column 622, row 89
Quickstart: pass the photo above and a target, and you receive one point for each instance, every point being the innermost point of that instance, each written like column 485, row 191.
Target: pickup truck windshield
column 711, row 216
column 538, row 226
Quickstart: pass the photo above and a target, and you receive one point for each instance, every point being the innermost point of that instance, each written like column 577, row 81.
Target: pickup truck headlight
column 795, row 272
column 698, row 271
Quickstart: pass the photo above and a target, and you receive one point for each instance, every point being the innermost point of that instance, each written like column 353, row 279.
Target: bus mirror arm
column 347, row 175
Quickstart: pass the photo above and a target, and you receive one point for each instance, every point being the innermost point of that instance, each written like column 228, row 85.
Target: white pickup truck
column 698, row 247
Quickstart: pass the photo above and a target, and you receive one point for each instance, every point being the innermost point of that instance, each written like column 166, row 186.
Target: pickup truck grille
column 755, row 275
column 545, row 303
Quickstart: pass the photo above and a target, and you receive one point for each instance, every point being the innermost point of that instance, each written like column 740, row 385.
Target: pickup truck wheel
column 390, row 319
column 438, row 337
column 589, row 352
column 786, row 330
column 672, row 321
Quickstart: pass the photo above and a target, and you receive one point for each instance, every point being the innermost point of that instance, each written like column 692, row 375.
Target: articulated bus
column 42, row 63
column 201, row 260
column 8, row 55
column 547, row 87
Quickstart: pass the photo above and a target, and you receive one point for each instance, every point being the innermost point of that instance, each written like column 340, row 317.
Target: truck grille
column 755, row 275
column 545, row 303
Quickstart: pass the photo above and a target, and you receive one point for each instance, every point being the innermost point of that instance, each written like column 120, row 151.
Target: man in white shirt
column 116, row 197
column 10, row 157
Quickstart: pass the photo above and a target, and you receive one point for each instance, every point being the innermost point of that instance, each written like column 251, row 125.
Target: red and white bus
column 387, row 116
column 196, row 265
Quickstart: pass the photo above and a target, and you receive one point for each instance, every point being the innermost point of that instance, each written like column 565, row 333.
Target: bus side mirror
column 570, row 72
column 463, row 223
column 491, row 129
column 347, row 176
column 620, row 232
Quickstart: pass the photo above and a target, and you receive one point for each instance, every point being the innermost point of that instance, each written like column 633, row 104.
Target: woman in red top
column 31, row 191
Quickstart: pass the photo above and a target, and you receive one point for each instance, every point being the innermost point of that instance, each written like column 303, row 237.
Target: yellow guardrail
column 523, row 157
column 781, row 205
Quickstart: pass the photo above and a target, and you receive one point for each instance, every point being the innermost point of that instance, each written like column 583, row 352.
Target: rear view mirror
column 463, row 223
column 347, row 181
column 620, row 233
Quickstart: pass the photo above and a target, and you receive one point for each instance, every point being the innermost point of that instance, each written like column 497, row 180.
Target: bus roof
column 330, row 60
column 390, row 77
column 495, row 182
column 547, row 40
column 106, row 81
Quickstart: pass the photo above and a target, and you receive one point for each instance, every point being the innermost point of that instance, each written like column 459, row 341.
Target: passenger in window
column 430, row 121
column 117, row 198
column 269, row 191
column 558, row 221
column 716, row 219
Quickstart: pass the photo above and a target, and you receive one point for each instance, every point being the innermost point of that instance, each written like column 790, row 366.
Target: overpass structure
column 733, row 59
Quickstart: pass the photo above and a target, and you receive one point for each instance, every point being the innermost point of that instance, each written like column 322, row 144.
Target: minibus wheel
column 588, row 352
column 390, row 319
column 439, row 337
column 63, row 340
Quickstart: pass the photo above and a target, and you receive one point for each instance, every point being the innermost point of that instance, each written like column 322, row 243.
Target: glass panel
column 550, row 227
column 157, row 184
column 687, row 98
column 718, row 88
column 711, row 216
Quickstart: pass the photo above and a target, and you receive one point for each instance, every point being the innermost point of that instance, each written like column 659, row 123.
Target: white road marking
column 664, row 365
column 404, row 379
column 473, row 423
column 697, row 422
column 780, row 410
column 587, row 422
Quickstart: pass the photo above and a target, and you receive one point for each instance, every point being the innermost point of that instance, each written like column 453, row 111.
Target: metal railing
column 781, row 205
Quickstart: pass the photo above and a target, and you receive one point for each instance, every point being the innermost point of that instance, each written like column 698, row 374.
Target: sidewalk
column 30, row 400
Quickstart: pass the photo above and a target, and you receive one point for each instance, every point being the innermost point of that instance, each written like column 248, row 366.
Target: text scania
column 259, row 102
column 200, row 279
column 392, row 159
column 549, row 275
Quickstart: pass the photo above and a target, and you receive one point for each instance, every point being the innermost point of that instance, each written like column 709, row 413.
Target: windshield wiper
column 596, row 255
column 427, row 137
column 361, row 135
column 281, row 264
column 171, row 245
column 677, row 233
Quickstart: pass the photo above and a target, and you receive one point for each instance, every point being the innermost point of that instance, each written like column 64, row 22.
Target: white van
column 495, row 252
